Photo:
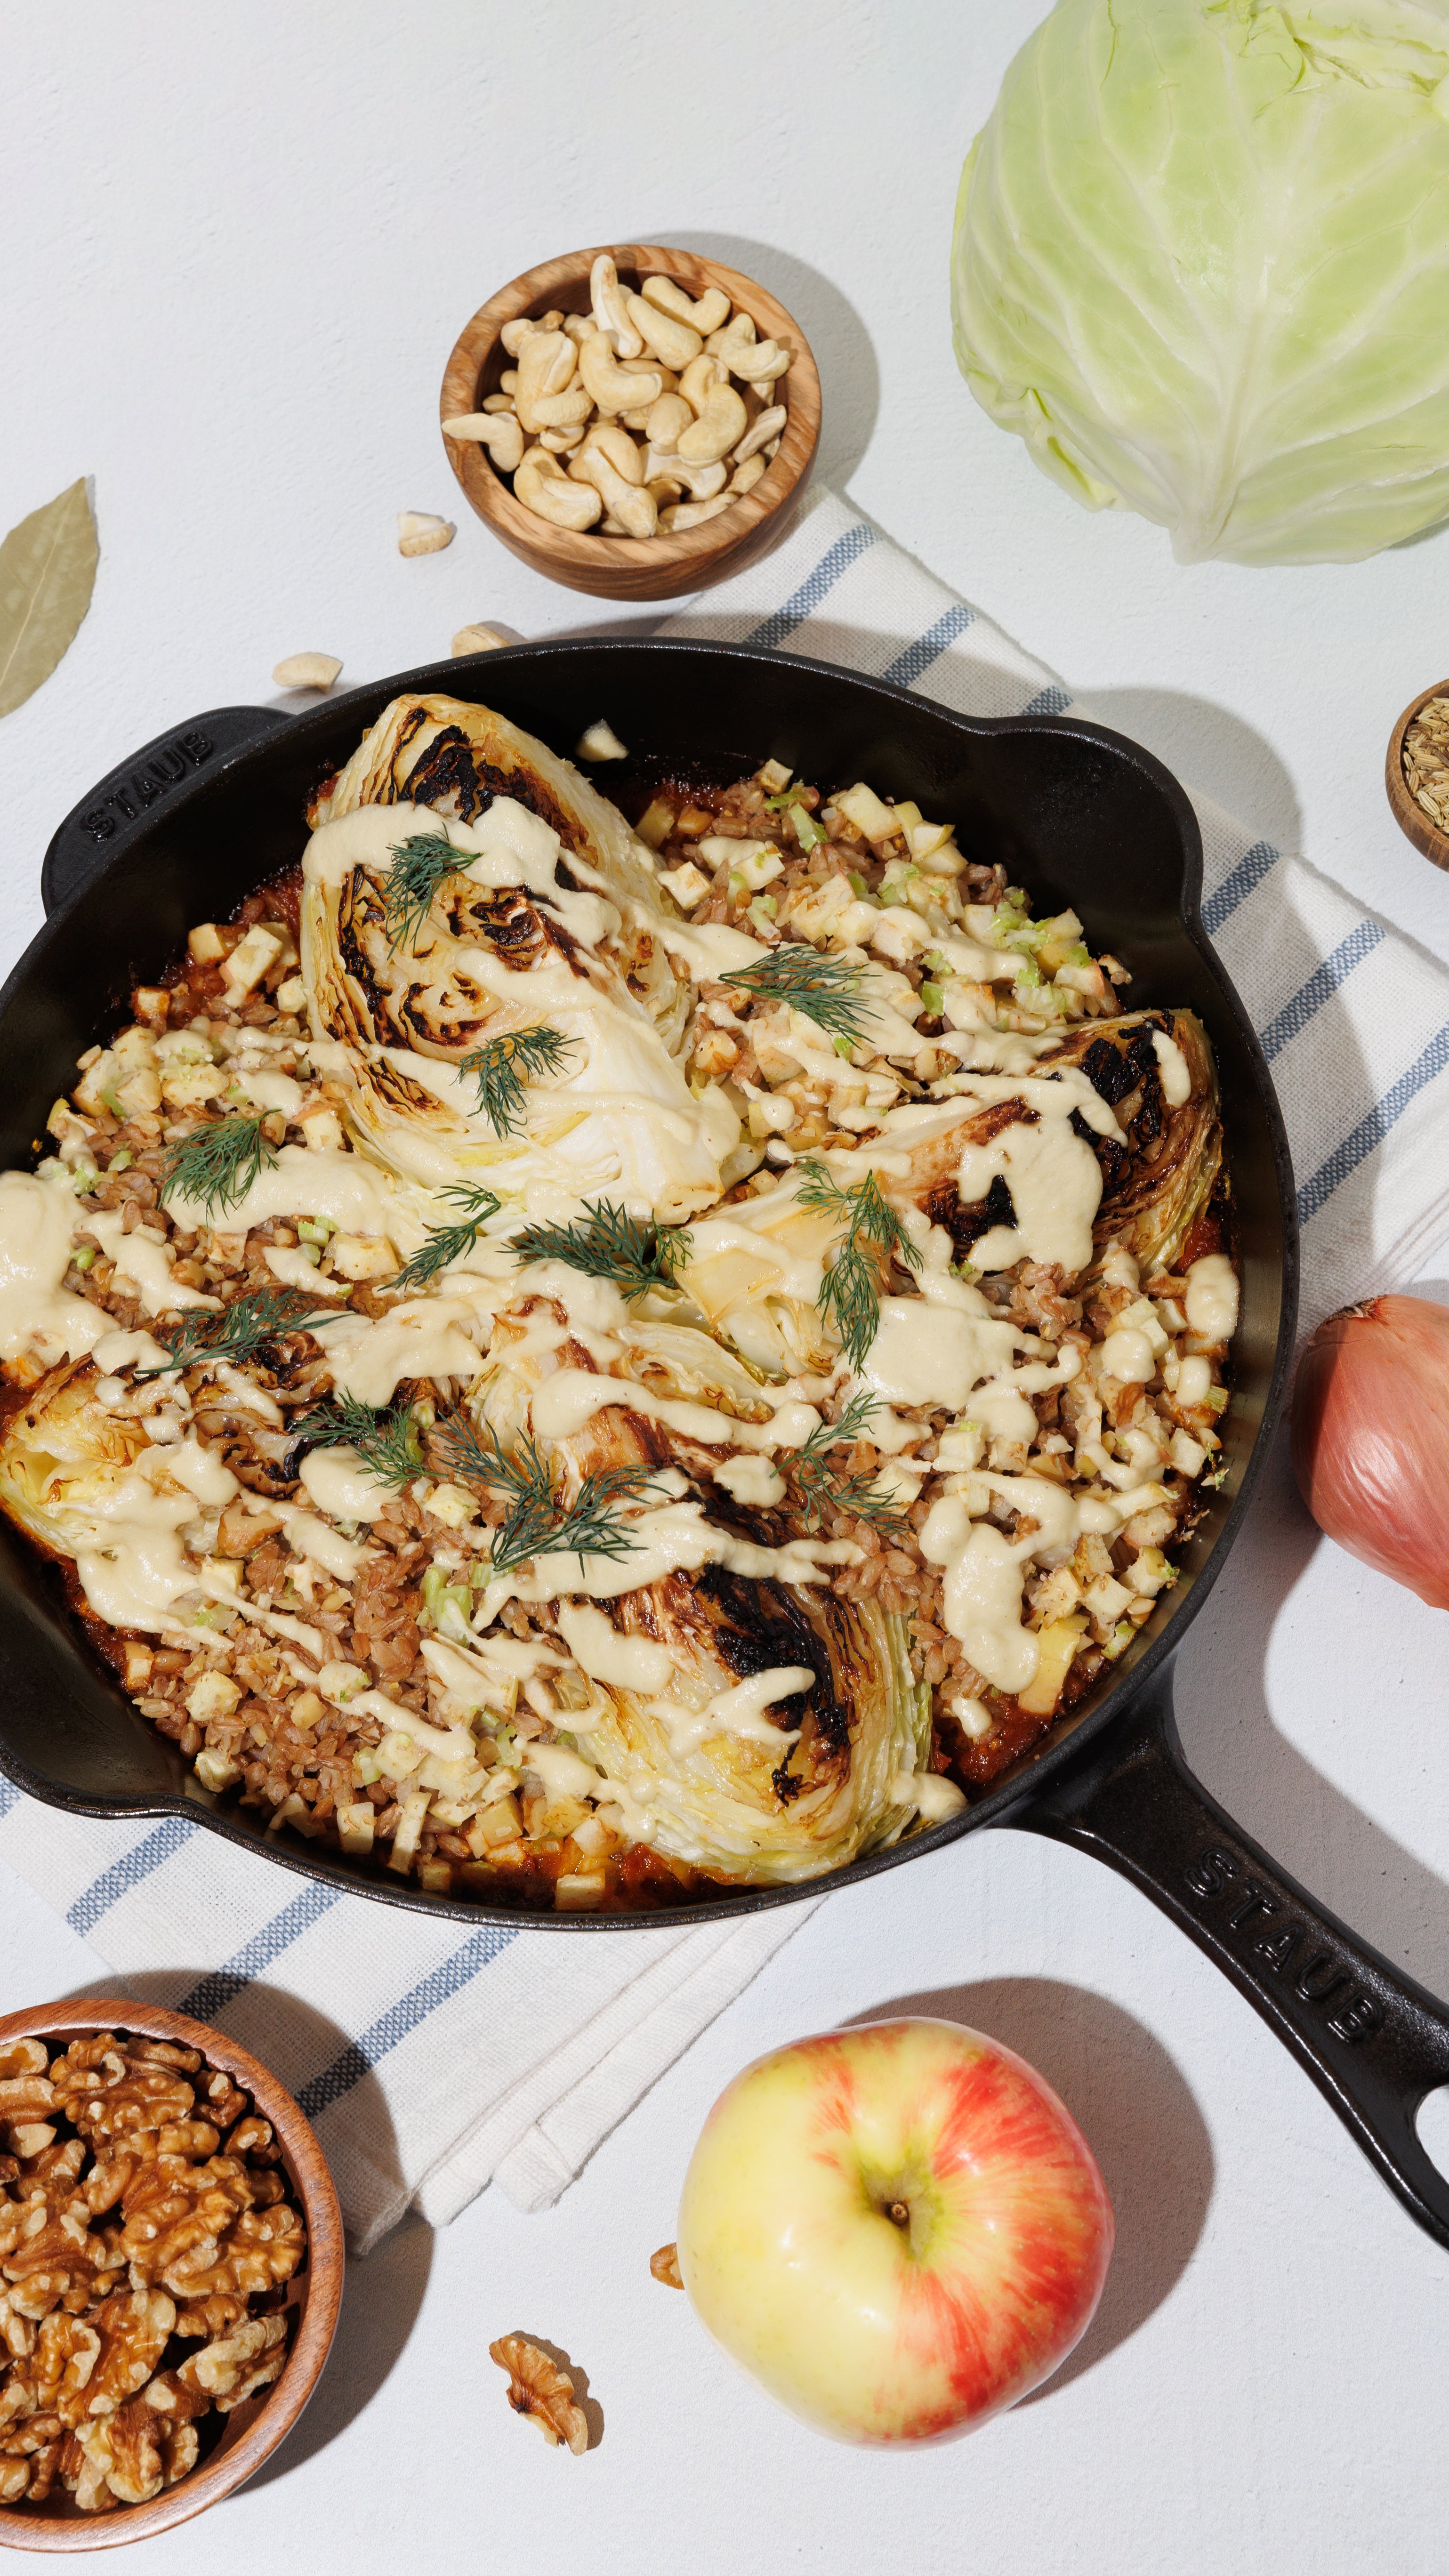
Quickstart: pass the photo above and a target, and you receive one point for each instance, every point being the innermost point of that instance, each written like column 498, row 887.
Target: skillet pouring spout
column 1375, row 2043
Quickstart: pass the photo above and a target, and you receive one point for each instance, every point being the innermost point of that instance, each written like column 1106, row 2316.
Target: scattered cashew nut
column 421, row 532
column 606, row 298
column 477, row 639
column 307, row 671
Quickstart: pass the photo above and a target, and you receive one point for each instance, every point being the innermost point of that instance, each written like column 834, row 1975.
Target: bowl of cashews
column 632, row 421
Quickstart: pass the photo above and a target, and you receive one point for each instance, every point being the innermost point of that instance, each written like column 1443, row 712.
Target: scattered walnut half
column 538, row 2388
column 665, row 2267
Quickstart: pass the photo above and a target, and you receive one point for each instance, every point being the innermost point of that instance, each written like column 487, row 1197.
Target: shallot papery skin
column 1371, row 1438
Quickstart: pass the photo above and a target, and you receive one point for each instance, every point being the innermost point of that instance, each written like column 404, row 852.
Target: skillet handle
column 104, row 820
column 1374, row 2042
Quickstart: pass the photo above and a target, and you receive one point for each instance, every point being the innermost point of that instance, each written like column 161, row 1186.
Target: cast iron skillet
column 1080, row 816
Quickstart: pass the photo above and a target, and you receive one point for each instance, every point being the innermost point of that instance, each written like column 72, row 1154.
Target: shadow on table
column 1210, row 749
column 1138, row 2115
column 317, row 2062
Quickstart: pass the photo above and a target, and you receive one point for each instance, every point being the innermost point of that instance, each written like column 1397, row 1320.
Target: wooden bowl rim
column 630, row 557
column 39, row 2529
column 1411, row 818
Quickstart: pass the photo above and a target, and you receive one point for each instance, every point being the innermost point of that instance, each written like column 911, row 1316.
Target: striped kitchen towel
column 434, row 2059
column 1353, row 1018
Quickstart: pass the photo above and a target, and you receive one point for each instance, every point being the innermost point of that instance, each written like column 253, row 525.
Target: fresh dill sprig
column 538, row 1522
column 826, row 989
column 242, row 1329
column 505, row 1064
column 385, row 1438
column 447, row 1243
column 217, row 1163
column 817, row 1492
column 608, row 1243
column 872, row 1231
column 419, row 866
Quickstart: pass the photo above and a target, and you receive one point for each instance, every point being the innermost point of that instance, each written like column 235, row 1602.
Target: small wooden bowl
column 632, row 567
column 314, row 2294
column 1408, row 814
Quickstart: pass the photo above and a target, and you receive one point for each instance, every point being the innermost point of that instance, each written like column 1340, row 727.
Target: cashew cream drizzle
column 37, row 1217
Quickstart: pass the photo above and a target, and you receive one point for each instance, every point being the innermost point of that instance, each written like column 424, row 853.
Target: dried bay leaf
column 47, row 573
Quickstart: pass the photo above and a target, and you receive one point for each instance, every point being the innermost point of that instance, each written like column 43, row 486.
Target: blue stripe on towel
column 9, row 1796
column 802, row 603
column 128, row 1872
column 361, row 2054
column 1372, row 1130
column 907, row 667
column 1048, row 702
column 220, row 1986
column 1250, row 871
column 1309, row 999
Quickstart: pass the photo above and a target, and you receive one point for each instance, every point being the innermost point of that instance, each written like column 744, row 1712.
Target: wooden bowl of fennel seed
column 1417, row 773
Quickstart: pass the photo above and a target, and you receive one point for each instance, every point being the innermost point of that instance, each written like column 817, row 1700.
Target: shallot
column 1371, row 1438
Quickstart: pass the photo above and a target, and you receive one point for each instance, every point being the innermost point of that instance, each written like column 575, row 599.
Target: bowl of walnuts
column 633, row 421
column 171, row 2265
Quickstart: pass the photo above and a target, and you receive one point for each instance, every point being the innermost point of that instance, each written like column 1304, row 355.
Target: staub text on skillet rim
column 1081, row 816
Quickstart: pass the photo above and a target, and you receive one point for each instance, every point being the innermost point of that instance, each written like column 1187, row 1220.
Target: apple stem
column 899, row 2213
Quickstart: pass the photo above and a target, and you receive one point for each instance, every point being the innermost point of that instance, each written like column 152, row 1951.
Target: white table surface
column 240, row 245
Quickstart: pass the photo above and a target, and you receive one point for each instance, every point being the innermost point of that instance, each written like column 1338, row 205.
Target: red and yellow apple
column 898, row 2230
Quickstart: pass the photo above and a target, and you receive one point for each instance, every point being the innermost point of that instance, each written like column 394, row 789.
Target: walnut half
column 539, row 2389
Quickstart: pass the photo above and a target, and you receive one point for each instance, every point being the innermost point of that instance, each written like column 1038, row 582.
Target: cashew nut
column 562, row 411
column 665, row 419
column 615, row 388
column 760, row 362
column 578, row 325
column 707, row 315
column 545, row 367
column 737, row 333
column 562, row 442
column 746, row 476
column 676, row 474
column 669, row 339
column 307, row 671
column 613, row 441
column 496, row 402
column 699, row 380
column 513, row 334
column 543, row 488
column 635, row 509
column 719, row 427
column 691, row 514
column 498, row 431
column 420, row 532
column 477, row 639
column 765, row 426
column 610, row 314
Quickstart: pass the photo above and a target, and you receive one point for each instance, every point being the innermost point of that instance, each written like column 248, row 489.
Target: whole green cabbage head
column 1201, row 265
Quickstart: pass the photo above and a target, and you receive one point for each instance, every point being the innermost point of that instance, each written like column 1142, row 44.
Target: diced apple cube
column 250, row 959
column 688, row 884
column 215, row 1695
column 1058, row 1644
column 362, row 1256
column 355, row 1825
column 206, row 944
column 861, row 806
